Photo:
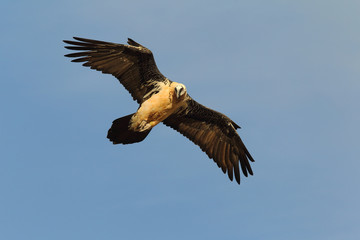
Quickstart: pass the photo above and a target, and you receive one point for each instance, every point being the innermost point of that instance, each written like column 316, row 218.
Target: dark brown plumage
column 134, row 66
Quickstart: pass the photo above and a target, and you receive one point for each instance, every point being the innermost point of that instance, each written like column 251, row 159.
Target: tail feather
column 120, row 133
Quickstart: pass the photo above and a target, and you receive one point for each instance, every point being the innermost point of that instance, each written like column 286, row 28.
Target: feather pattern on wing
column 216, row 135
column 133, row 65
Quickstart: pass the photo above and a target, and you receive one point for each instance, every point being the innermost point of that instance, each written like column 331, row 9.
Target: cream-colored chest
column 158, row 106
column 156, row 109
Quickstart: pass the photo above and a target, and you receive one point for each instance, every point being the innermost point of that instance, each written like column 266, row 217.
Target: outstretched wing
column 216, row 135
column 133, row 64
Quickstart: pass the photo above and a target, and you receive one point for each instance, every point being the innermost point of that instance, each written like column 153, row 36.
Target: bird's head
column 180, row 91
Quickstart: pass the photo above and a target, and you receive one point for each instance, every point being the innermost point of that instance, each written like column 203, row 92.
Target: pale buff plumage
column 157, row 108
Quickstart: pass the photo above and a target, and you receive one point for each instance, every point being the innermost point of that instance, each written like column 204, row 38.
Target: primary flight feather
column 162, row 100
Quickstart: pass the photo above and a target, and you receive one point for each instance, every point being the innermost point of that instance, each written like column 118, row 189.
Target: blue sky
column 286, row 71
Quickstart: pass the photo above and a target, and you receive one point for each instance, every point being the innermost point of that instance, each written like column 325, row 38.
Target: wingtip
column 237, row 179
column 133, row 43
column 249, row 156
column 79, row 39
column 236, row 126
column 75, row 38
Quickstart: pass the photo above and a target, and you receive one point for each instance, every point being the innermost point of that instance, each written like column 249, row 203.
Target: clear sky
column 286, row 71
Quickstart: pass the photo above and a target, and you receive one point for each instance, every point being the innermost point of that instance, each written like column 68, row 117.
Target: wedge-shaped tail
column 120, row 133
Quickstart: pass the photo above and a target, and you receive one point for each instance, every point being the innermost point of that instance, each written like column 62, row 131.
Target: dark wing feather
column 216, row 135
column 133, row 64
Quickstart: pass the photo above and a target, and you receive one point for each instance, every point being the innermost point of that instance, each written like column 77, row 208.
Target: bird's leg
column 144, row 125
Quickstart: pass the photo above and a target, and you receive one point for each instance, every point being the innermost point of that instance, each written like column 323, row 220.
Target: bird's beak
column 178, row 92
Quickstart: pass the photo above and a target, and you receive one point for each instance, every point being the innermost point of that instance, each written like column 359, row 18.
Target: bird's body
column 162, row 100
column 157, row 108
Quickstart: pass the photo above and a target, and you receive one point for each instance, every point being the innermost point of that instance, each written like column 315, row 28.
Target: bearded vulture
column 162, row 100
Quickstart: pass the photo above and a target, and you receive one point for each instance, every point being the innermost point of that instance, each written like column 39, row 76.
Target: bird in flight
column 162, row 100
